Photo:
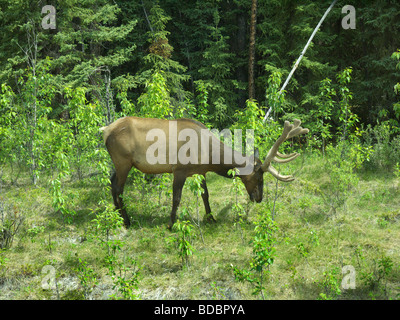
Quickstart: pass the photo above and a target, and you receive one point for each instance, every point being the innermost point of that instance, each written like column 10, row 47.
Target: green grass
column 313, row 243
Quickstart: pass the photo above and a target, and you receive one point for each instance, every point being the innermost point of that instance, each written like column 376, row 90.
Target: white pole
column 301, row 55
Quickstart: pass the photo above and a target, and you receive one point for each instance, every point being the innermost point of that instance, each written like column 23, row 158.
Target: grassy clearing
column 313, row 243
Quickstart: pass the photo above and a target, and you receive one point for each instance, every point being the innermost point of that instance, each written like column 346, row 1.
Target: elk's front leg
column 208, row 217
column 177, row 186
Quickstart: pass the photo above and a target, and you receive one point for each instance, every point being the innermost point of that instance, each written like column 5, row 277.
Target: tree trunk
column 240, row 49
column 252, row 48
column 301, row 55
column 108, row 97
column 31, row 56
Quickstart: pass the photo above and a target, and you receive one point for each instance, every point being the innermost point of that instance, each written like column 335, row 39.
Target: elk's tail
column 105, row 133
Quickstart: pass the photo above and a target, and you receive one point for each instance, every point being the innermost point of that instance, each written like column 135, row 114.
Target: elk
column 131, row 141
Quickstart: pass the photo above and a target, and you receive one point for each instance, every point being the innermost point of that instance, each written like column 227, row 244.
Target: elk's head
column 254, row 182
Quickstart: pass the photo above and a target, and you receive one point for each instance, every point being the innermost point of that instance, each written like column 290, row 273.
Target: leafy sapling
column 237, row 208
column 194, row 184
column 125, row 275
column 183, row 240
column 87, row 277
column 330, row 284
column 104, row 227
column 195, row 187
column 264, row 252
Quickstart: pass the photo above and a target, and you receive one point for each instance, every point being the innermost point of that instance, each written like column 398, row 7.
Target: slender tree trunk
column 240, row 49
column 33, row 129
column 301, row 55
column 33, row 155
column 147, row 18
column 31, row 57
column 107, row 80
column 252, row 48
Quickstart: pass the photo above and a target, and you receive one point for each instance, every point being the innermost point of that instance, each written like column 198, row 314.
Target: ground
column 314, row 242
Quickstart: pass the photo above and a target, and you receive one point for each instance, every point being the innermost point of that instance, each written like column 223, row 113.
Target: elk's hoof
column 210, row 219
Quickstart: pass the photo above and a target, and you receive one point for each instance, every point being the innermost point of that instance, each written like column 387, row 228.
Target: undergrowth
column 298, row 253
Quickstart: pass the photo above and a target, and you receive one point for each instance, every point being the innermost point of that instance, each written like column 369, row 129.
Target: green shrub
column 125, row 275
column 330, row 283
column 183, row 240
column 104, row 227
column 264, row 252
column 386, row 145
column 87, row 277
column 342, row 179
column 10, row 223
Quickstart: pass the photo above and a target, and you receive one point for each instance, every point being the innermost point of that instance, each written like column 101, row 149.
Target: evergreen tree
column 199, row 45
column 217, row 71
column 20, row 35
column 158, row 60
column 161, row 55
column 90, row 42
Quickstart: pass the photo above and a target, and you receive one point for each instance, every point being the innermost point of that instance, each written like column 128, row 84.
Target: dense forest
column 75, row 66
column 111, row 47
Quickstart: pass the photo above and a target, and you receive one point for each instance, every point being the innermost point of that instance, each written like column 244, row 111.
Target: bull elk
column 130, row 142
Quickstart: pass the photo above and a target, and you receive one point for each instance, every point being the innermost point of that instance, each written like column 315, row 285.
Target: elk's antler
column 289, row 131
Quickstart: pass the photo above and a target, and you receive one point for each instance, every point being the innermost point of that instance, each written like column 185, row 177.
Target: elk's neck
column 233, row 159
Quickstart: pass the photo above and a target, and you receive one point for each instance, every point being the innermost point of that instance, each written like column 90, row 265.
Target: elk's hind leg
column 118, row 180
